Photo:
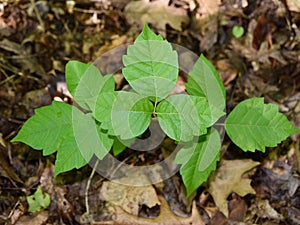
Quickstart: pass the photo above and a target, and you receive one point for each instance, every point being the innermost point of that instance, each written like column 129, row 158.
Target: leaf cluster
column 107, row 119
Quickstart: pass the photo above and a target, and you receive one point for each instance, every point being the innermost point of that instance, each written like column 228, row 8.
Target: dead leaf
column 261, row 33
column 207, row 8
column 6, row 170
column 19, row 209
column 23, row 57
column 158, row 13
column 64, row 205
column 166, row 217
column 37, row 98
column 129, row 198
column 262, row 58
column 265, row 210
column 256, row 86
column 204, row 25
column 237, row 208
column 227, row 72
column 229, row 178
column 293, row 5
column 38, row 219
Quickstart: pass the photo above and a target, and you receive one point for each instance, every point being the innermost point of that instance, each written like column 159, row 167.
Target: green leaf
column 68, row 156
column 47, row 128
column 199, row 159
column 38, row 200
column 204, row 112
column 90, row 138
column 254, row 125
column 86, row 140
column 74, row 72
column 103, row 110
column 118, row 147
column 130, row 115
column 86, row 83
column 151, row 66
column 148, row 34
column 178, row 116
column 205, row 81
column 51, row 129
column 238, row 31
column 64, row 128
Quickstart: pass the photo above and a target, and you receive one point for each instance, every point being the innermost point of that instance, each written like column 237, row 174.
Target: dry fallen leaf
column 166, row 217
column 129, row 198
column 265, row 210
column 37, row 219
column 6, row 169
column 230, row 178
column 261, row 58
column 158, row 13
column 204, row 25
column 293, row 5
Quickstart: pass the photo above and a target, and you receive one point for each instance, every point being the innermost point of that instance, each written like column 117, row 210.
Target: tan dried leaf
column 129, row 198
column 204, row 25
column 230, row 178
column 37, row 219
column 293, row 5
column 158, row 13
column 166, row 217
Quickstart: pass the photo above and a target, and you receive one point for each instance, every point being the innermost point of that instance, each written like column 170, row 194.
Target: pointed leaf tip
column 253, row 125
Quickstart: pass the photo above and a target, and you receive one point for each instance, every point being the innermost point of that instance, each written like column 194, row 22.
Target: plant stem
column 88, row 184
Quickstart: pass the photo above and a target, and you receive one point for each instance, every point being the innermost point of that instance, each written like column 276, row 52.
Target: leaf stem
column 219, row 124
column 88, row 184
column 154, row 109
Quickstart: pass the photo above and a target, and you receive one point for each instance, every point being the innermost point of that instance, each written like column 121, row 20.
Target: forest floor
column 38, row 38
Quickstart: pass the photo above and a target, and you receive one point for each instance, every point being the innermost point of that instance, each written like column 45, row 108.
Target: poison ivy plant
column 109, row 119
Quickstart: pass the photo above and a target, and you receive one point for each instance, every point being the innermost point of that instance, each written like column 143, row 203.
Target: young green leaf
column 103, row 110
column 74, row 72
column 64, row 128
column 151, row 66
column 199, row 159
column 254, row 125
column 47, row 128
column 179, row 117
column 118, row 147
column 68, row 156
column 50, row 129
column 130, row 115
column 205, row 116
column 90, row 138
column 205, row 81
column 238, row 31
column 86, row 83
column 38, row 200
column 148, row 34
